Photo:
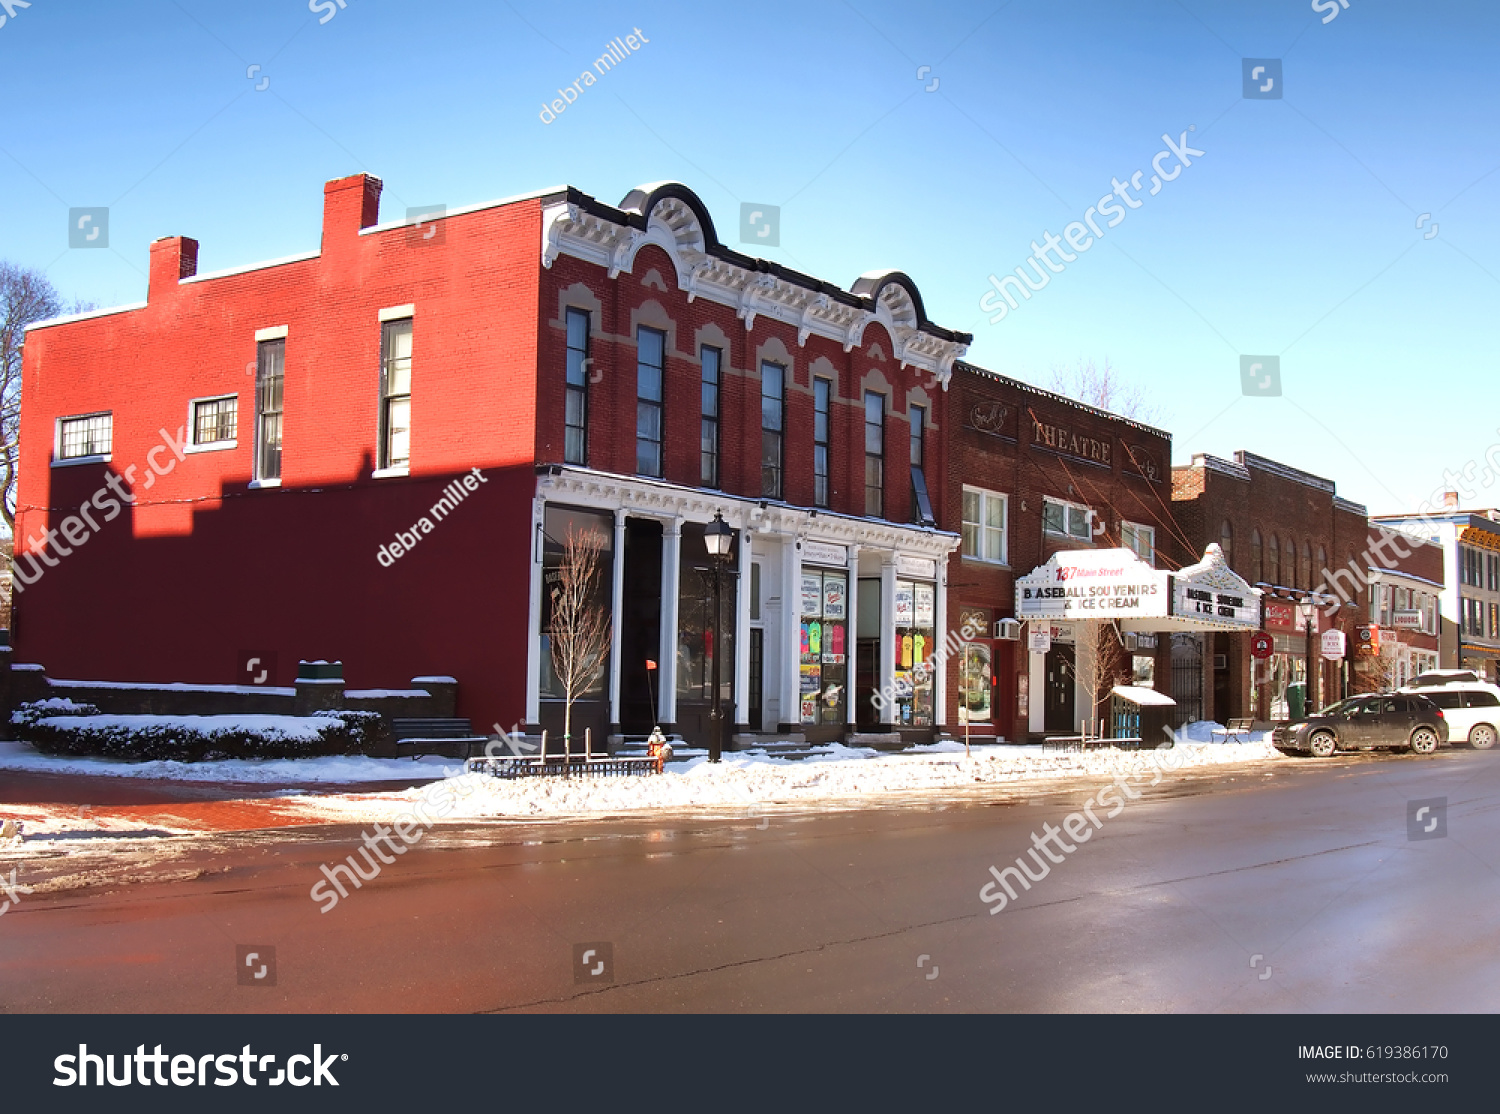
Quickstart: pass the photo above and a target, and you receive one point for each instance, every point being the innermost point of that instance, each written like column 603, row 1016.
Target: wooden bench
column 1238, row 729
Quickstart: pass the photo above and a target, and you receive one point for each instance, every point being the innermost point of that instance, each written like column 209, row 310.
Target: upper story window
column 1273, row 562
column 1140, row 540
column 1226, row 542
column 1289, row 563
column 650, row 363
column 822, row 437
column 921, row 504
column 1067, row 519
column 576, row 401
column 874, row 454
column 709, row 445
column 395, row 393
column 984, row 525
column 86, row 436
column 215, row 421
column 270, row 372
column 1257, row 558
column 772, row 415
column 1305, row 573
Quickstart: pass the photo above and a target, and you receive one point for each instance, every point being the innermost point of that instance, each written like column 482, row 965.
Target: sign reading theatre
column 1092, row 584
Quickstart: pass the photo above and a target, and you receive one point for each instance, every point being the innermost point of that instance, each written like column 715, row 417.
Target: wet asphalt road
column 1288, row 888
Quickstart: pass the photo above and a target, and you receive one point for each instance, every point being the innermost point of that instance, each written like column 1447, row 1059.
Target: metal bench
column 517, row 766
column 1079, row 743
column 1238, row 729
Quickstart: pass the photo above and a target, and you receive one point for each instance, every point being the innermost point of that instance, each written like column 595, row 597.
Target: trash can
column 1296, row 700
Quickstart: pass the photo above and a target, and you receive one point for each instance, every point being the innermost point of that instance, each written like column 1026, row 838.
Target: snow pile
column 748, row 781
column 338, row 770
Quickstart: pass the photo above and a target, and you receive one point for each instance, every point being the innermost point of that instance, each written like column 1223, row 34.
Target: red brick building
column 373, row 452
column 1032, row 474
column 1280, row 527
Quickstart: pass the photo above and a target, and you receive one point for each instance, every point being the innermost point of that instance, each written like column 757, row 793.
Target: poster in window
column 926, row 596
column 812, row 595
column 835, row 597
column 833, row 643
column 904, row 604
column 812, row 678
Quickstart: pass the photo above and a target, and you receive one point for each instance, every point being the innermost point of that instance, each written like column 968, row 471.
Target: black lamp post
column 717, row 536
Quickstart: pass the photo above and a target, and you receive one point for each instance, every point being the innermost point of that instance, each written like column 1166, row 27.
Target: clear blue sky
column 1294, row 235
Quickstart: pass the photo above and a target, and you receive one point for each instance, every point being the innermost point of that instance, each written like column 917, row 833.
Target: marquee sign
column 1212, row 591
column 1092, row 584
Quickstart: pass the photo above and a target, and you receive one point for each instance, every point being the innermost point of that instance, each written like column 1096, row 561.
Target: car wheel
column 1322, row 745
column 1424, row 740
column 1482, row 737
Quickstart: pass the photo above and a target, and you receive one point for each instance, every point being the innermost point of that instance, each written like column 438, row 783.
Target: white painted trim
column 70, row 318
column 275, row 332
column 301, row 257
column 254, row 484
column 58, row 460
column 211, row 447
column 389, row 473
column 192, row 425
column 397, row 313
column 72, row 460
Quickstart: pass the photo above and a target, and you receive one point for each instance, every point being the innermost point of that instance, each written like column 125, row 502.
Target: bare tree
column 1107, row 662
column 580, row 628
column 1103, row 388
column 25, row 298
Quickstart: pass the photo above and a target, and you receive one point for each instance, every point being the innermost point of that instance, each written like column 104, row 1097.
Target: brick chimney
column 173, row 258
column 349, row 204
column 1450, row 500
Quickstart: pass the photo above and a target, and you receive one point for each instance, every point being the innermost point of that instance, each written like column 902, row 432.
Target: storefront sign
column 1332, row 645
column 835, row 597
column 1213, row 592
column 1367, row 641
column 926, row 600
column 1061, row 439
column 1406, row 620
column 1039, row 640
column 1092, row 584
column 1262, row 646
column 924, row 567
column 905, row 604
column 825, row 553
column 1282, row 616
column 812, row 595
column 975, row 618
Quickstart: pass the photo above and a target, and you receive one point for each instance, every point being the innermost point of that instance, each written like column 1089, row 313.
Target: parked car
column 1444, row 677
column 1397, row 720
column 1472, row 708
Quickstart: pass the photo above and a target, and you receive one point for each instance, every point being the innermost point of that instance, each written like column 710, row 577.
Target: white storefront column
column 742, row 636
column 616, row 610
column 791, row 636
column 851, row 640
column 534, row 619
column 887, row 678
column 940, row 628
column 671, row 575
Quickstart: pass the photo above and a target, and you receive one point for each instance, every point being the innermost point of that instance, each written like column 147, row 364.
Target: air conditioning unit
column 1008, row 629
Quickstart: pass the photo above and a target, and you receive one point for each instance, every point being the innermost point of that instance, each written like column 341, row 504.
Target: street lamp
column 717, row 536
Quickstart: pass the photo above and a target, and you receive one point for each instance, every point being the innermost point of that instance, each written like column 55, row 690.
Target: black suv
column 1398, row 720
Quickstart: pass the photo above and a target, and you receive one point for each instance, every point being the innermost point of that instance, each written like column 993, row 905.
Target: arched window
column 1226, row 542
column 1306, row 573
column 1319, row 569
column 1273, row 561
column 1289, row 563
column 1257, row 558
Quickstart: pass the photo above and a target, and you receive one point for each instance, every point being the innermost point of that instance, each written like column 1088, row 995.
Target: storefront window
column 695, row 633
column 825, row 647
column 557, row 524
column 915, row 619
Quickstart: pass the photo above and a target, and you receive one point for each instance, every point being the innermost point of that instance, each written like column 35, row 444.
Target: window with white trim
column 395, row 393
column 85, row 436
column 1140, row 540
column 1067, row 519
column 984, row 525
column 215, row 420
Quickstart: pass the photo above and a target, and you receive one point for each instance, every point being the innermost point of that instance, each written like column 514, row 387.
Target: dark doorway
column 1057, row 693
column 757, row 678
column 640, row 627
column 1221, row 709
column 866, row 670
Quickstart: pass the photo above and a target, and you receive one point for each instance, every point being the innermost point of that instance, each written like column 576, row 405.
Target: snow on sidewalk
column 334, row 770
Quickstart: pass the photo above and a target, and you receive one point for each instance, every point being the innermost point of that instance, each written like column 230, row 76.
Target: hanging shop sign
column 1213, row 592
column 1092, row 584
column 1367, row 641
column 1332, row 645
column 825, row 553
column 1262, row 646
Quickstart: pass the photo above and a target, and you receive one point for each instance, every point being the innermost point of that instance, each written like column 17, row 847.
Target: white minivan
column 1471, row 707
